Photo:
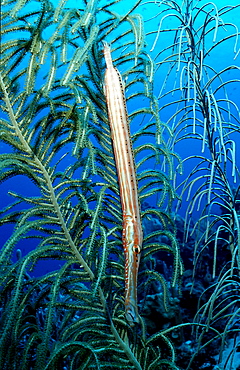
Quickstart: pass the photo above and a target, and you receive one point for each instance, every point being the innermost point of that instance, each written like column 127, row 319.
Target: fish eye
column 136, row 249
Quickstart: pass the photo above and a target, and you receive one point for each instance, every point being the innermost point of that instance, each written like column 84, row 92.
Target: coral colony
column 119, row 128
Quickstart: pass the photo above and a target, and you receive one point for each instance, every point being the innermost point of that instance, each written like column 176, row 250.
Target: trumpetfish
column 132, row 235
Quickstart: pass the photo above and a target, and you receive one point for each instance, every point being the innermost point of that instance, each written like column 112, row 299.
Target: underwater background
column 61, row 261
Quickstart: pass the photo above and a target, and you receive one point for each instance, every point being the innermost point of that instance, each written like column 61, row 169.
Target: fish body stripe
column 132, row 229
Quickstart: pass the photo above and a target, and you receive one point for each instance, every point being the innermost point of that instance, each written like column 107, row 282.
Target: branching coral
column 55, row 126
column 195, row 97
column 55, row 133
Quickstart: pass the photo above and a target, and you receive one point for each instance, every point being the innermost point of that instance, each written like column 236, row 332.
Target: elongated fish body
column 132, row 234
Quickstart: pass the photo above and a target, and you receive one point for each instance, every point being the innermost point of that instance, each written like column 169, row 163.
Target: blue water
column 219, row 58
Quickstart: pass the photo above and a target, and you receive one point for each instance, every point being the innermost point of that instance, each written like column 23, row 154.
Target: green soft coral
column 55, row 120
